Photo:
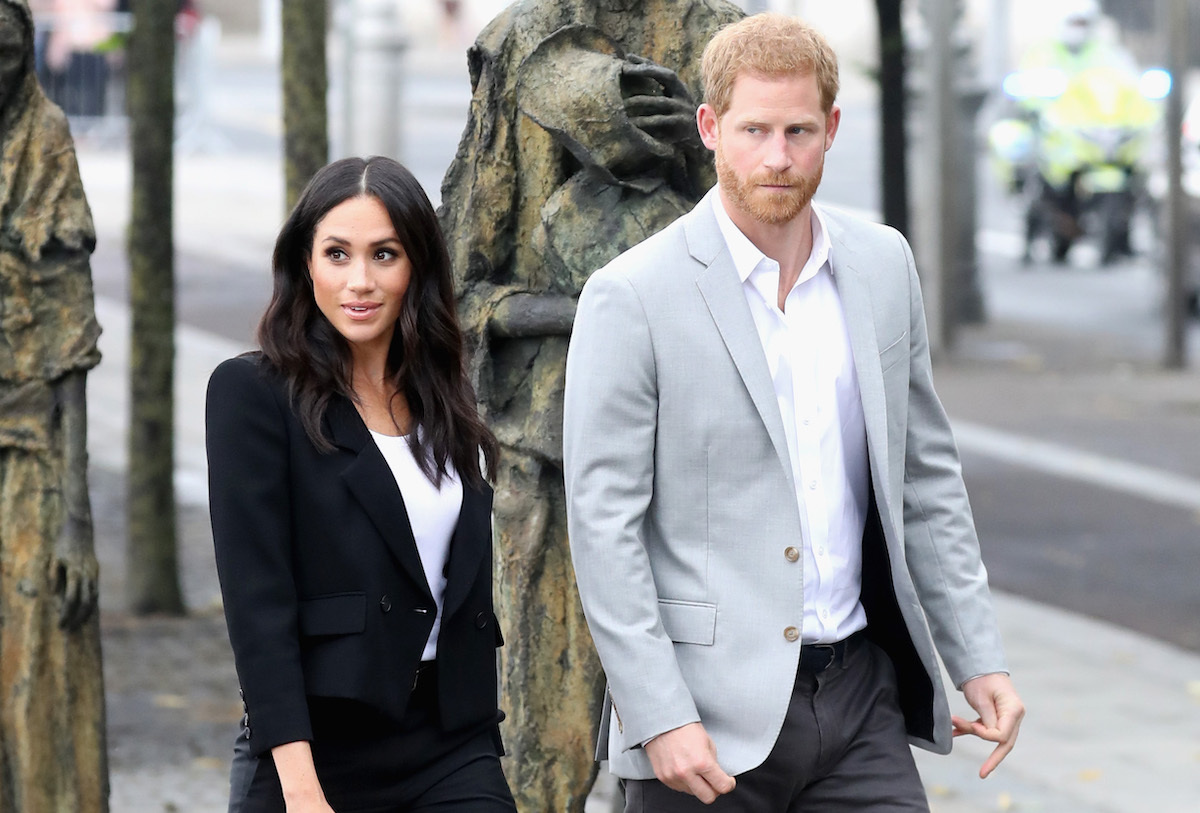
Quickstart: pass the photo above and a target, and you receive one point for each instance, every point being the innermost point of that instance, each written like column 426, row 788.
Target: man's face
column 13, row 48
column 770, row 145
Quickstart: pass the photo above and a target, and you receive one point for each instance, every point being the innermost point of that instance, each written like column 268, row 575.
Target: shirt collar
column 746, row 256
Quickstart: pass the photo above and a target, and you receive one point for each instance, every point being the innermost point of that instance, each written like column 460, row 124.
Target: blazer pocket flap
column 689, row 622
column 339, row 614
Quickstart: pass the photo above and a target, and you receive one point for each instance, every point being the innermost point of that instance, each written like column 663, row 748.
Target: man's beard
column 773, row 207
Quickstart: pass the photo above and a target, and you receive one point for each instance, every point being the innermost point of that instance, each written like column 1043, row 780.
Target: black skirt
column 367, row 761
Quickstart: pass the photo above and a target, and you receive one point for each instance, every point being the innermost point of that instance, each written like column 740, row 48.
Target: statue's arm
column 74, row 570
column 525, row 315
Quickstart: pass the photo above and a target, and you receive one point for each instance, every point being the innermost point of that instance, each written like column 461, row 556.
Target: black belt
column 819, row 657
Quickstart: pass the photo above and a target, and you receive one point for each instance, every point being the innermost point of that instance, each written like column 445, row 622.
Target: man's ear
column 832, row 121
column 708, row 125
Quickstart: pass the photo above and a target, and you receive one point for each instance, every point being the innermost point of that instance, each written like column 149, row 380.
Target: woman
column 351, row 517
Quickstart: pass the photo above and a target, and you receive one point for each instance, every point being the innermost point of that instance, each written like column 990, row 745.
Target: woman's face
column 360, row 273
column 13, row 51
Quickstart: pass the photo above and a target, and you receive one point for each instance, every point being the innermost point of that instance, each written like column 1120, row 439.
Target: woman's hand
column 302, row 791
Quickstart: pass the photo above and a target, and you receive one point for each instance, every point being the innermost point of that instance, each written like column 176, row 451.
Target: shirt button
column 385, row 604
column 812, row 485
column 791, row 634
column 791, row 554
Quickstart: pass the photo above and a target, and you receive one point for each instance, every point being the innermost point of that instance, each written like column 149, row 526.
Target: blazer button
column 791, row 554
column 385, row 604
column 791, row 634
column 481, row 620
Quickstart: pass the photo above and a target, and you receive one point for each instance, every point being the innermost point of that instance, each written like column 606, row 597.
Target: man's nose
column 777, row 157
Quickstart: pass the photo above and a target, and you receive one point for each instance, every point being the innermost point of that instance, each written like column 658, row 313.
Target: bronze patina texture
column 52, row 749
column 581, row 142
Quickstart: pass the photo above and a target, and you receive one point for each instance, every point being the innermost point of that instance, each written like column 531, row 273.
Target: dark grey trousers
column 843, row 747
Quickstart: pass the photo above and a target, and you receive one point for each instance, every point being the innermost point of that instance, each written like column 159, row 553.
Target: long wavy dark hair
column 426, row 357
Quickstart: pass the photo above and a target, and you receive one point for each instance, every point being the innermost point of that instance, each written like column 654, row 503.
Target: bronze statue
column 581, row 142
column 52, row 749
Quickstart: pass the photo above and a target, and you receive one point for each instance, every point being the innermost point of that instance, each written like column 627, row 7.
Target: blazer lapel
column 722, row 291
column 470, row 543
column 855, row 294
column 373, row 485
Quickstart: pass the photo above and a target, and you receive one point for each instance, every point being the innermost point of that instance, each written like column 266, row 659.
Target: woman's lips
column 360, row 310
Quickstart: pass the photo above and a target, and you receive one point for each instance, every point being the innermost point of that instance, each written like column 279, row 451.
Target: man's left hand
column 1000, row 713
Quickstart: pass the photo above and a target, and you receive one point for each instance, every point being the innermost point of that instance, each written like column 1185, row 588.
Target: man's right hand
column 685, row 760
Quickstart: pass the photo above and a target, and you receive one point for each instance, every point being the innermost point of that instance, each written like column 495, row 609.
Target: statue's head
column 16, row 48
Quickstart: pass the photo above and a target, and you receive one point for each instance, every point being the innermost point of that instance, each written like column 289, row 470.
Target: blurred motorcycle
column 1083, row 163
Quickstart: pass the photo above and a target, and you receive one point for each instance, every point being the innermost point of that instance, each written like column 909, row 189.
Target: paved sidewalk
column 1114, row 717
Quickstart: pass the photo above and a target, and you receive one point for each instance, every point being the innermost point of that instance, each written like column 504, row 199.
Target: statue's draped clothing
column 552, row 179
column 543, row 144
column 52, row 751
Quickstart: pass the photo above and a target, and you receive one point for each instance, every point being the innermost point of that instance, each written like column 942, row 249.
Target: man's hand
column 1000, row 713
column 685, row 760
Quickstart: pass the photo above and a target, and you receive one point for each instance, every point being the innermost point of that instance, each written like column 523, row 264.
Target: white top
column 432, row 513
column 809, row 357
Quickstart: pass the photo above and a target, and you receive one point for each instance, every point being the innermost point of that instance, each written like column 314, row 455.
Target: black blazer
column 322, row 583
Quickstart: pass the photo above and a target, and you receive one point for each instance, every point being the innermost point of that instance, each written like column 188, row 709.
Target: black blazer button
column 481, row 620
column 385, row 604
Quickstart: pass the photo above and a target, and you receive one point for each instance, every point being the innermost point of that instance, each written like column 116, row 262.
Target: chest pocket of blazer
column 335, row 614
column 689, row 622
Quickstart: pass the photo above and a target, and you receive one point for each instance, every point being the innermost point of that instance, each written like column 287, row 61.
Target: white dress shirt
column 432, row 513
column 809, row 357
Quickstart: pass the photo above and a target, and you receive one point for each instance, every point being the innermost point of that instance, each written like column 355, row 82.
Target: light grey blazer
column 680, row 498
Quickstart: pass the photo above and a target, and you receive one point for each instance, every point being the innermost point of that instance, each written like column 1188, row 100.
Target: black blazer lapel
column 373, row 485
column 469, row 545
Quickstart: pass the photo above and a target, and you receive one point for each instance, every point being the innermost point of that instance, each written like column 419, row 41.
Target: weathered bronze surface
column 581, row 142
column 52, row 747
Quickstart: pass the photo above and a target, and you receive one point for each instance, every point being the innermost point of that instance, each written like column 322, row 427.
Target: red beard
column 771, row 206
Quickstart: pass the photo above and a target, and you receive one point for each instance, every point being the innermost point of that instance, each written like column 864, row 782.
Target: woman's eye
column 335, row 254
column 384, row 254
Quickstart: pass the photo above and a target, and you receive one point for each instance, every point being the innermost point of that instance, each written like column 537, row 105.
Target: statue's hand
column 658, row 103
column 75, row 573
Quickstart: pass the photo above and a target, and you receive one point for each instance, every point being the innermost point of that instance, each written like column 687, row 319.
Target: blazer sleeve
column 940, row 540
column 610, row 420
column 250, row 507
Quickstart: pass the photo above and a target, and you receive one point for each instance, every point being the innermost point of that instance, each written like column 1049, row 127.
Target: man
column 766, row 511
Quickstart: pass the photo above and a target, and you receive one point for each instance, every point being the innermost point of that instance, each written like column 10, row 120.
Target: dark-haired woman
column 351, row 518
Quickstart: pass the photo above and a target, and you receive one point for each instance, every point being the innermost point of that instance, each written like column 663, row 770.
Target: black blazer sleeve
column 249, row 502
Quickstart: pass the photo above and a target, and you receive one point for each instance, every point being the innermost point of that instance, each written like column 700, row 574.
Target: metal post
column 942, row 217
column 373, row 92
column 1176, row 19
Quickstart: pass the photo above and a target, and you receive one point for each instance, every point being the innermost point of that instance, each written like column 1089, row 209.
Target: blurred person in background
column 73, row 71
column 1081, row 42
